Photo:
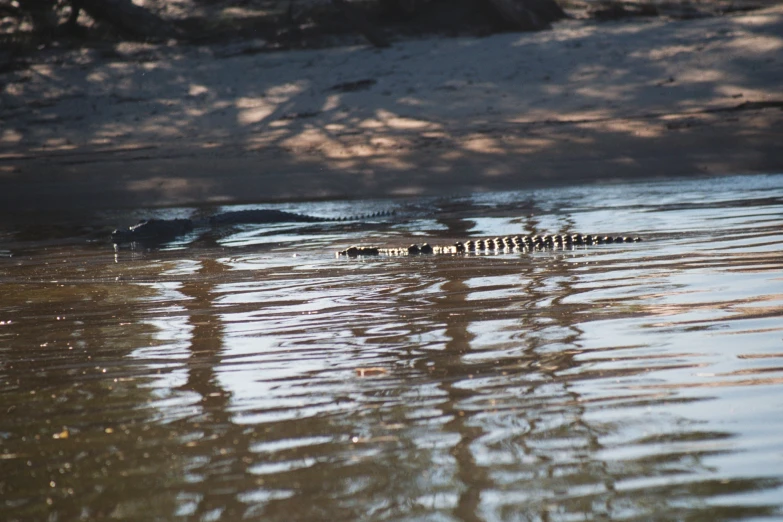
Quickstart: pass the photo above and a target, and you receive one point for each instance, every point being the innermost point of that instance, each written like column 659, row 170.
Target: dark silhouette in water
column 153, row 231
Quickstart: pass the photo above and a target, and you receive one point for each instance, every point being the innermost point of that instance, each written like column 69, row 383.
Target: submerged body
column 498, row 245
column 163, row 230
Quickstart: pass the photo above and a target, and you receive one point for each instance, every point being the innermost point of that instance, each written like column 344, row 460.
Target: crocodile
column 153, row 231
column 493, row 245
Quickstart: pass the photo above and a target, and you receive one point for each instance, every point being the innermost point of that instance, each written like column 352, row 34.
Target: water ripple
column 262, row 377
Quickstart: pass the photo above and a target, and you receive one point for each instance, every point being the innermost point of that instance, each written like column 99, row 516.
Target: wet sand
column 143, row 125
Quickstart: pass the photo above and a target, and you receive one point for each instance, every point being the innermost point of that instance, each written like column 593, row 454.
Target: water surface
column 250, row 373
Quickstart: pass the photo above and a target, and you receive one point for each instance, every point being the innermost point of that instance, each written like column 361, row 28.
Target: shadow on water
column 231, row 378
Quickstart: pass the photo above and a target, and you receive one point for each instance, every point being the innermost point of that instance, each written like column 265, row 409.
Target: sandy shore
column 144, row 125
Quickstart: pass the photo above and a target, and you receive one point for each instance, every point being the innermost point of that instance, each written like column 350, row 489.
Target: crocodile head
column 153, row 231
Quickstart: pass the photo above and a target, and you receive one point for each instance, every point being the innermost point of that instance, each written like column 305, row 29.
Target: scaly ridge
column 505, row 244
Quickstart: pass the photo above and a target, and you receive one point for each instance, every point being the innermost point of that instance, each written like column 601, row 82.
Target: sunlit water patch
column 251, row 372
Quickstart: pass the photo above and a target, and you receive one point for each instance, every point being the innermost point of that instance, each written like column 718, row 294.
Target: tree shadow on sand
column 140, row 124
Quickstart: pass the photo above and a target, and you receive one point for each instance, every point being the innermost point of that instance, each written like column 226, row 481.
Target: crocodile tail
column 493, row 245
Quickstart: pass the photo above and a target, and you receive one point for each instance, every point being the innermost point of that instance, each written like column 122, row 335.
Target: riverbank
column 142, row 125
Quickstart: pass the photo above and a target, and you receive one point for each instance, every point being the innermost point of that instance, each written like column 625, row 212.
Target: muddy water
column 250, row 373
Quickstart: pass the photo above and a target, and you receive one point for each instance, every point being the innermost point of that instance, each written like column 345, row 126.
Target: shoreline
column 170, row 126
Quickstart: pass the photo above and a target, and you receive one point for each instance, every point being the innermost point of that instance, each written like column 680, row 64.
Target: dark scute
column 238, row 217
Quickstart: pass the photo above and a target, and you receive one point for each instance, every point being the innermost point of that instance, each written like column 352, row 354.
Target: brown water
column 252, row 374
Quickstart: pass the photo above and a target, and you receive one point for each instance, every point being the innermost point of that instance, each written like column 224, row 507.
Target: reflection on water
column 224, row 378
